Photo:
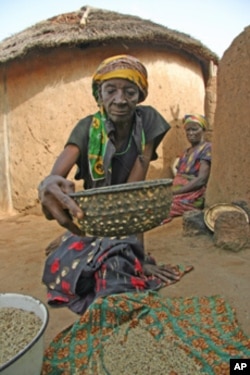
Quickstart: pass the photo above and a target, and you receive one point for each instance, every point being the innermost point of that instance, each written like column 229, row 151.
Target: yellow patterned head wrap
column 121, row 66
column 198, row 119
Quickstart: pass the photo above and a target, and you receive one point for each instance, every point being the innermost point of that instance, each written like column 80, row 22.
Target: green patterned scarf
column 101, row 148
column 98, row 140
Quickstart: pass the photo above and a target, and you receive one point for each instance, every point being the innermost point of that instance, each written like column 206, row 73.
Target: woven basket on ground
column 125, row 209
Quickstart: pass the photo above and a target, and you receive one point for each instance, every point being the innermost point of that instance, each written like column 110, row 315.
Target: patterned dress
column 188, row 168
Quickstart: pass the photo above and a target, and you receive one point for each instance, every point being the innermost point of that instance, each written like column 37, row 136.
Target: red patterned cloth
column 82, row 269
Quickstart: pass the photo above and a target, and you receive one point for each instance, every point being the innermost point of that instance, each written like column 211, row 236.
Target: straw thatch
column 90, row 27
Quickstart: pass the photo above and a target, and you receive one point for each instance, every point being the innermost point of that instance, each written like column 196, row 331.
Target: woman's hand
column 165, row 273
column 56, row 204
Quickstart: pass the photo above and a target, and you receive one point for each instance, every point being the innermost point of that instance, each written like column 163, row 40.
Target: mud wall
column 230, row 173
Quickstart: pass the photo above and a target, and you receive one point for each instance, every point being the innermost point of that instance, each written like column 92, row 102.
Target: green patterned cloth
column 97, row 145
column 205, row 328
column 100, row 146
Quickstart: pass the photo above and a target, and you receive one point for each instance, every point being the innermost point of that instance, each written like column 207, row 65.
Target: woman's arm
column 54, row 189
column 140, row 168
column 65, row 161
column 197, row 182
column 138, row 173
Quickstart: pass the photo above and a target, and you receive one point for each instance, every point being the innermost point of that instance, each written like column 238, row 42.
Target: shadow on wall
column 175, row 141
column 173, row 144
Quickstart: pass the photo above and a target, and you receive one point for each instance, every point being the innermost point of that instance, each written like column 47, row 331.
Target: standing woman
column 112, row 146
column 193, row 169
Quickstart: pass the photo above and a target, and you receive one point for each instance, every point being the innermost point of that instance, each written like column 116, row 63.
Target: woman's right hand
column 56, row 203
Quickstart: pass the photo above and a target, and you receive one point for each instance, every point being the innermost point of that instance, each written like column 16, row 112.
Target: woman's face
column 194, row 133
column 119, row 98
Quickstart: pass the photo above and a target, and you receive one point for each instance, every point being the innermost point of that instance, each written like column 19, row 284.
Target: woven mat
column 206, row 328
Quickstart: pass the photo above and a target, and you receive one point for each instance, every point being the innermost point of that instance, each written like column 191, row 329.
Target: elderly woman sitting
column 193, row 169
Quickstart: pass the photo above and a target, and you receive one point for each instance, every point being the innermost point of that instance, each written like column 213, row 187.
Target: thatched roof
column 90, row 27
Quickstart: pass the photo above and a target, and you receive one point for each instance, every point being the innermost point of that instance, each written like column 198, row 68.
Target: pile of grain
column 18, row 328
column 136, row 351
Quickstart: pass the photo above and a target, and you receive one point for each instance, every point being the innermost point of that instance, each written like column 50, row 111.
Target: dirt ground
column 216, row 271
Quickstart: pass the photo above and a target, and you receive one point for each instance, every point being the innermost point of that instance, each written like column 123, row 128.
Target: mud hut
column 45, row 80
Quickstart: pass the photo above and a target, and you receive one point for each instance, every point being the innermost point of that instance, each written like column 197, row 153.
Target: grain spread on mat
column 136, row 351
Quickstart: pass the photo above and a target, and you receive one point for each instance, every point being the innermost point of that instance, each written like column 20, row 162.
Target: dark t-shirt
column 154, row 126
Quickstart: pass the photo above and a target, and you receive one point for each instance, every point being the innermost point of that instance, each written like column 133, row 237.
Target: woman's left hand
column 165, row 273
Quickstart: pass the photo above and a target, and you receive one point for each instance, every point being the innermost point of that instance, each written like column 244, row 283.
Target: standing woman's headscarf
column 121, row 66
column 198, row 119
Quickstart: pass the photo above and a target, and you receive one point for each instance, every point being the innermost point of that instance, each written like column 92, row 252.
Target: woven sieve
column 124, row 209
